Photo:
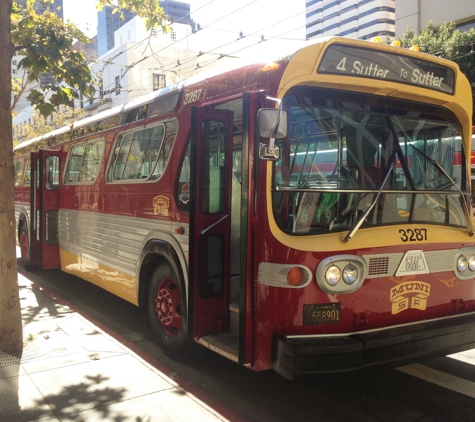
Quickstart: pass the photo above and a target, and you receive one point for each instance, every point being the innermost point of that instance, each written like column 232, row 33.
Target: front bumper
column 302, row 356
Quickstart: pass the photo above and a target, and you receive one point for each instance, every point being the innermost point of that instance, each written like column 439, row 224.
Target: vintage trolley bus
column 310, row 215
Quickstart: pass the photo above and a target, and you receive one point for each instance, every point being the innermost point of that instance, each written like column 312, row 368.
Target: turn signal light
column 295, row 276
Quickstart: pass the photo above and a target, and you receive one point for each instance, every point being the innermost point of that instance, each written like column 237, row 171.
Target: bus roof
column 271, row 51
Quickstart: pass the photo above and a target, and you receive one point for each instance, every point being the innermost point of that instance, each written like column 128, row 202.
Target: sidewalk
column 72, row 370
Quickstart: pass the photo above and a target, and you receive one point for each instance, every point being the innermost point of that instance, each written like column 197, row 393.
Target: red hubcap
column 168, row 306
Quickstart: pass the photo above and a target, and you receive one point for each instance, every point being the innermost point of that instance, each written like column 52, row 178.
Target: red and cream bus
column 310, row 215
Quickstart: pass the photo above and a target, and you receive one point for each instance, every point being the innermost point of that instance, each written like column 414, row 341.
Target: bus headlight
column 350, row 273
column 471, row 263
column 349, row 268
column 465, row 260
column 462, row 263
column 333, row 275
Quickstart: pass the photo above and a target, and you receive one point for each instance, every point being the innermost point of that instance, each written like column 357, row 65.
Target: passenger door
column 44, row 235
column 210, row 219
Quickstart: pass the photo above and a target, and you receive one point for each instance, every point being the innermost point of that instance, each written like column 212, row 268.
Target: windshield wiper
column 468, row 219
column 360, row 220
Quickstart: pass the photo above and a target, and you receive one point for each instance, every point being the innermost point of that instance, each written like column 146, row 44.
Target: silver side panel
column 117, row 241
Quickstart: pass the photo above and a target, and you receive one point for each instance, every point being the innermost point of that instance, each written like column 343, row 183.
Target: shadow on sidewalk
column 69, row 402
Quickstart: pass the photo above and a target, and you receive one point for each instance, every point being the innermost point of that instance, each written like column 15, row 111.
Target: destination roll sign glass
column 357, row 61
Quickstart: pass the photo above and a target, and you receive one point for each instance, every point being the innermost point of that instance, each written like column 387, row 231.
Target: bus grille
column 378, row 265
column 385, row 265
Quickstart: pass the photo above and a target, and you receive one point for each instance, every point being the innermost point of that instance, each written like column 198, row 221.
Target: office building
column 363, row 19
column 177, row 11
column 107, row 24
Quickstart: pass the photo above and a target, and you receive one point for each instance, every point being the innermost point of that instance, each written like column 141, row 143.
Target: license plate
column 322, row 313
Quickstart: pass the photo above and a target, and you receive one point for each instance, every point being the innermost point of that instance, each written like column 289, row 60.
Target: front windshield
column 343, row 148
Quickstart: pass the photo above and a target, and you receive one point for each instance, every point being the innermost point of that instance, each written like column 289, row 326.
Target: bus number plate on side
column 322, row 313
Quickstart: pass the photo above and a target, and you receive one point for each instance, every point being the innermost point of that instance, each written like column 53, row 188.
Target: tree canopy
column 448, row 42
column 46, row 46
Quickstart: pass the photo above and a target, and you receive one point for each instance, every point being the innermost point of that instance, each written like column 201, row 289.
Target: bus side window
column 163, row 157
column 27, row 178
column 52, row 172
column 84, row 162
column 19, row 170
column 74, row 164
column 91, row 162
column 142, row 155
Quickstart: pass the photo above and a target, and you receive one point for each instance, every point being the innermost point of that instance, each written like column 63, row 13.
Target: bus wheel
column 25, row 260
column 166, row 312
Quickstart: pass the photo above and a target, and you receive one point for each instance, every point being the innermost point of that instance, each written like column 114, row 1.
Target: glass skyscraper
column 107, row 24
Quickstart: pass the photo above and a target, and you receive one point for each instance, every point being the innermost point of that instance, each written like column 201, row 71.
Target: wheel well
column 150, row 262
column 155, row 253
column 21, row 223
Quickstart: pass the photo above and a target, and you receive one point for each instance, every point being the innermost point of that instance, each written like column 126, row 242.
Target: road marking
column 442, row 379
column 467, row 356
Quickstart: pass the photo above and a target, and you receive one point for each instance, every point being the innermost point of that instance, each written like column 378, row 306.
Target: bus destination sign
column 357, row 61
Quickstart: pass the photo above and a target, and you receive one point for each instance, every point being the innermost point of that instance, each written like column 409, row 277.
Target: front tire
column 167, row 312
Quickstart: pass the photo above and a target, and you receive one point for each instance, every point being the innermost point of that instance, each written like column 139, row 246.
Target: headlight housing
column 340, row 274
column 465, row 263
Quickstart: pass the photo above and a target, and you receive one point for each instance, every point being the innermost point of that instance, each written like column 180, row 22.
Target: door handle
column 214, row 224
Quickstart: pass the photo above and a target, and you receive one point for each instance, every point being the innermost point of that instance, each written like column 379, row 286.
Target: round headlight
column 462, row 263
column 350, row 274
column 471, row 263
column 333, row 275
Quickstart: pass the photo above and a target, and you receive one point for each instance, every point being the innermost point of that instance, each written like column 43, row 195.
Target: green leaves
column 149, row 9
column 46, row 44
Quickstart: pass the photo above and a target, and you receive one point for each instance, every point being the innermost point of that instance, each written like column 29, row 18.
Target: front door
column 44, row 236
column 210, row 220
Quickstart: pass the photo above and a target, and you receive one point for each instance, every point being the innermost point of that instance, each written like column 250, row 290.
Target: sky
column 254, row 18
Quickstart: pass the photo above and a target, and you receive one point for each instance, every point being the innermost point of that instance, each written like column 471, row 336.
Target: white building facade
column 363, row 19
column 417, row 14
column 141, row 63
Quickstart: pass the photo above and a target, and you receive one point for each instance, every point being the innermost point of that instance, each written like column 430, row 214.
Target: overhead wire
column 171, row 67
column 261, row 30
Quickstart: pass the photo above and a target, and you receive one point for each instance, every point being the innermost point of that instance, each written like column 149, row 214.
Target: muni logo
column 161, row 205
column 412, row 294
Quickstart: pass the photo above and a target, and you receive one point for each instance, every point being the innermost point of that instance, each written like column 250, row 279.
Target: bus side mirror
column 270, row 126
column 268, row 119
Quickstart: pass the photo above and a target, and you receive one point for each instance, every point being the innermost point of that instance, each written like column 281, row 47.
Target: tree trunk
column 11, row 336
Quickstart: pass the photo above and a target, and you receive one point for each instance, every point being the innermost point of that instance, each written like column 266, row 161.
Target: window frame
column 19, row 176
column 68, row 158
column 111, row 165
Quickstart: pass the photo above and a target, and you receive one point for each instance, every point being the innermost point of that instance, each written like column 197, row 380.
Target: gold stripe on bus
column 119, row 284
